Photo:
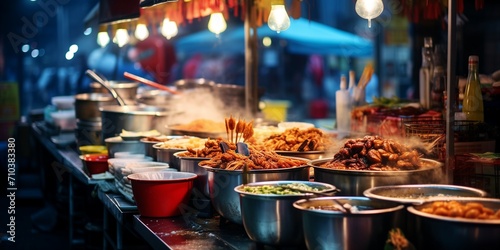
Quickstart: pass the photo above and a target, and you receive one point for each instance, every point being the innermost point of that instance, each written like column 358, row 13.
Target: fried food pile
column 295, row 139
column 375, row 153
column 210, row 150
column 469, row 210
column 258, row 159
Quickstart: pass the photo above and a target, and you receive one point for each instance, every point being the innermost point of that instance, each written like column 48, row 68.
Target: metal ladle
column 104, row 83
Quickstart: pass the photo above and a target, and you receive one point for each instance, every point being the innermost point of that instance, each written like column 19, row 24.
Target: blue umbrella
column 303, row 37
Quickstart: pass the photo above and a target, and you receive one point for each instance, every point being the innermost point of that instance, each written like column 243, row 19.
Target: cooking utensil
column 103, row 82
column 149, row 83
column 355, row 182
column 116, row 118
column 87, row 106
column 447, row 233
column 365, row 229
column 221, row 183
column 281, row 223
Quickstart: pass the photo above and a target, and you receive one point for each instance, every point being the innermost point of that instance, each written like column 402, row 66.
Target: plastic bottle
column 473, row 98
column 343, row 106
column 352, row 84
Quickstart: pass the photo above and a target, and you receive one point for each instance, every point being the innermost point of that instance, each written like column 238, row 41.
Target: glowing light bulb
column 103, row 37
column 278, row 19
column 121, row 37
column 169, row 28
column 369, row 9
column 217, row 23
column 141, row 31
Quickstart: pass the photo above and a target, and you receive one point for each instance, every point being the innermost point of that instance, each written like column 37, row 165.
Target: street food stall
column 193, row 165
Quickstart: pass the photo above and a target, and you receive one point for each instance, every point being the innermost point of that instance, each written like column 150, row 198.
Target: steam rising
column 203, row 104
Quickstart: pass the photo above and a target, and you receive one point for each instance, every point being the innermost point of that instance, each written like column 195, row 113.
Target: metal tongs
column 96, row 77
column 241, row 148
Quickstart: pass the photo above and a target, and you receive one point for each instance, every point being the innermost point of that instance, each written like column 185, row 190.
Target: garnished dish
column 282, row 189
column 375, row 153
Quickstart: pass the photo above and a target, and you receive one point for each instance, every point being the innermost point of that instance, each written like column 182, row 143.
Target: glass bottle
column 473, row 98
column 425, row 73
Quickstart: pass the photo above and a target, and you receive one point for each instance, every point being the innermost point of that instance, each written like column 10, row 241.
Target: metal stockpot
column 355, row 182
column 221, row 183
column 132, row 118
column 155, row 97
column 126, row 90
column 87, row 105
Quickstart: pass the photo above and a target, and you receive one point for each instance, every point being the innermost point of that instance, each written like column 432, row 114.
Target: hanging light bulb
column 169, row 28
column 369, row 9
column 278, row 19
column 102, row 36
column 121, row 36
column 217, row 23
column 141, row 31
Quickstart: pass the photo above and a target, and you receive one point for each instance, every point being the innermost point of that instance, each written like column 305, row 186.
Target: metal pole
column 251, row 62
column 451, row 91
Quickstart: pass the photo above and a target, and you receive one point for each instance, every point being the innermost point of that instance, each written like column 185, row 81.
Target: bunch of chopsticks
column 365, row 78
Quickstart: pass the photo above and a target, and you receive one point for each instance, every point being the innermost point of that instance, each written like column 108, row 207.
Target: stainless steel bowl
column 440, row 232
column 271, row 219
column 366, row 229
column 420, row 193
column 190, row 164
column 132, row 118
column 126, row 90
column 222, row 182
column 117, row 144
column 355, row 182
column 167, row 155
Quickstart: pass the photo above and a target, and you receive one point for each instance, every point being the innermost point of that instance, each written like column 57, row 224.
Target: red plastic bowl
column 95, row 163
column 160, row 194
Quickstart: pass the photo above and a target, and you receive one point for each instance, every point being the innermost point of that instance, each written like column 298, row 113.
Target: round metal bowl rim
column 177, row 154
column 372, row 172
column 329, row 188
column 157, row 146
column 114, row 140
column 188, row 177
column 134, row 110
column 394, row 208
column 413, row 210
column 370, row 194
column 253, row 171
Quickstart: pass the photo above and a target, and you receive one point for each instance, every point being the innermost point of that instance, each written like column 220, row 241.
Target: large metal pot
column 355, row 182
column 87, row 105
column 366, row 229
column 418, row 194
column 155, row 97
column 222, row 182
column 447, row 233
column 232, row 96
column 132, row 118
column 126, row 90
column 281, row 223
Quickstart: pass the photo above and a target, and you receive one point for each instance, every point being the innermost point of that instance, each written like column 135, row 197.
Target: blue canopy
column 303, row 37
